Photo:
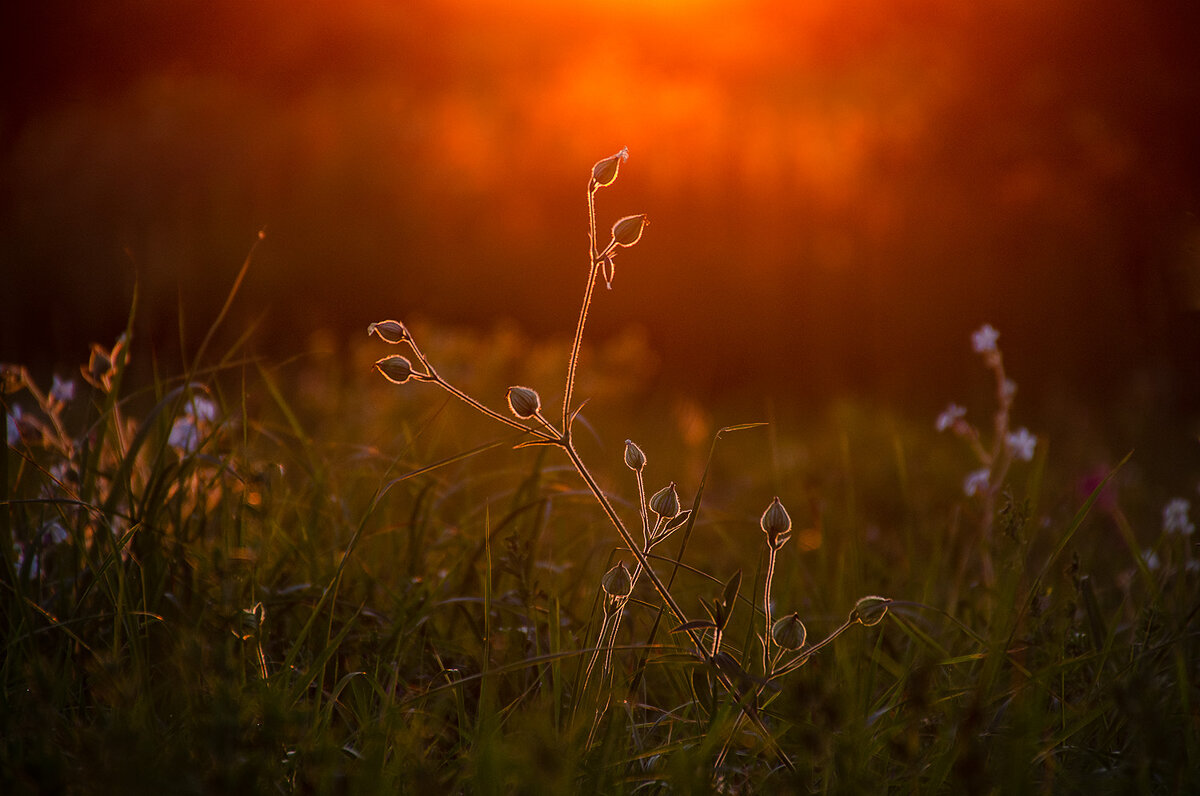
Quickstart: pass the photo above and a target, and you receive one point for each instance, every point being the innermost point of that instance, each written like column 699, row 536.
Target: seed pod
column 789, row 632
column 870, row 611
column 616, row 582
column 389, row 331
column 604, row 173
column 523, row 402
column 396, row 369
column 628, row 230
column 665, row 502
column 776, row 524
column 634, row 458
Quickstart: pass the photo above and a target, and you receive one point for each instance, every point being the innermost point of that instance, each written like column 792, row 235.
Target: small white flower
column 1151, row 560
column 201, row 409
column 952, row 414
column 185, row 437
column 1008, row 389
column 1175, row 517
column 1021, row 444
column 976, row 482
column 984, row 339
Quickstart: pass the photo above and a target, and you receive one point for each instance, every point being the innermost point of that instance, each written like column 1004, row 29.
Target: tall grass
column 295, row 578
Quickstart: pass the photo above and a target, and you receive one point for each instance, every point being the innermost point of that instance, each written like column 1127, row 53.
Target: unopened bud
column 616, row 582
column 396, row 369
column 605, row 172
column 523, row 402
column 99, row 363
column 665, row 502
column 389, row 331
column 12, row 378
column 789, row 632
column 776, row 524
column 634, row 458
column 870, row 610
column 628, row 230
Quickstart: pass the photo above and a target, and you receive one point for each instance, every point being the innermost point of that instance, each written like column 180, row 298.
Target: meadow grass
column 300, row 578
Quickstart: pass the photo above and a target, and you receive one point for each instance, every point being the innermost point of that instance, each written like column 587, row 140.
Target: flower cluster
column 1007, row 445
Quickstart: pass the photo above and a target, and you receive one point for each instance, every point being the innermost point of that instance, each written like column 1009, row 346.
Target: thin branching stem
column 508, row 421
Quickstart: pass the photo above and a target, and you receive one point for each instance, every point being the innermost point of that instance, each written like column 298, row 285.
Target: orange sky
column 865, row 181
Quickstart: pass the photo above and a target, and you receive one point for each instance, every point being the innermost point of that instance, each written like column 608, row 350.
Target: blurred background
column 839, row 192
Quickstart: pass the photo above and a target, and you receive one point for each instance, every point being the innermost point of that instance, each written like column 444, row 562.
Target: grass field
column 298, row 577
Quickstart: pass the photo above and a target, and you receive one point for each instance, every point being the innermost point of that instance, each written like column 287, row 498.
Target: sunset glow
column 838, row 161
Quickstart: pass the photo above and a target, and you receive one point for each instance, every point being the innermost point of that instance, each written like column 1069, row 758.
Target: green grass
column 429, row 597
column 300, row 578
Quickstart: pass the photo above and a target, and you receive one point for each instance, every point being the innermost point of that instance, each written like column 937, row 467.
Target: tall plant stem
column 767, row 611
column 574, row 360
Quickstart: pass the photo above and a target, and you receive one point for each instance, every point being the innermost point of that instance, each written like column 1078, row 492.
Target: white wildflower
column 984, row 339
column 952, row 414
column 976, row 482
column 1175, row 518
column 1021, row 444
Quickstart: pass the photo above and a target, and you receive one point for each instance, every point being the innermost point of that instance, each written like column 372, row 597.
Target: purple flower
column 952, row 414
column 62, row 391
column 976, row 482
column 984, row 339
column 1021, row 444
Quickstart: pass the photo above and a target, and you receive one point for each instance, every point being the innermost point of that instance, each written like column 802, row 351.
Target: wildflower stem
column 802, row 658
column 574, row 360
column 767, row 610
column 508, row 421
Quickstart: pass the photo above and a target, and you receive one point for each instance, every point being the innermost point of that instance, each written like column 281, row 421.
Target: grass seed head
column 524, row 402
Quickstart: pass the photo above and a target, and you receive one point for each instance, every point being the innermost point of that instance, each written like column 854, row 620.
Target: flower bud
column 396, row 369
column 523, row 402
column 870, row 610
column 100, row 363
column 12, row 378
column 616, row 582
column 604, row 173
column 776, row 524
column 634, row 458
column 389, row 331
column 789, row 632
column 665, row 502
column 628, row 230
